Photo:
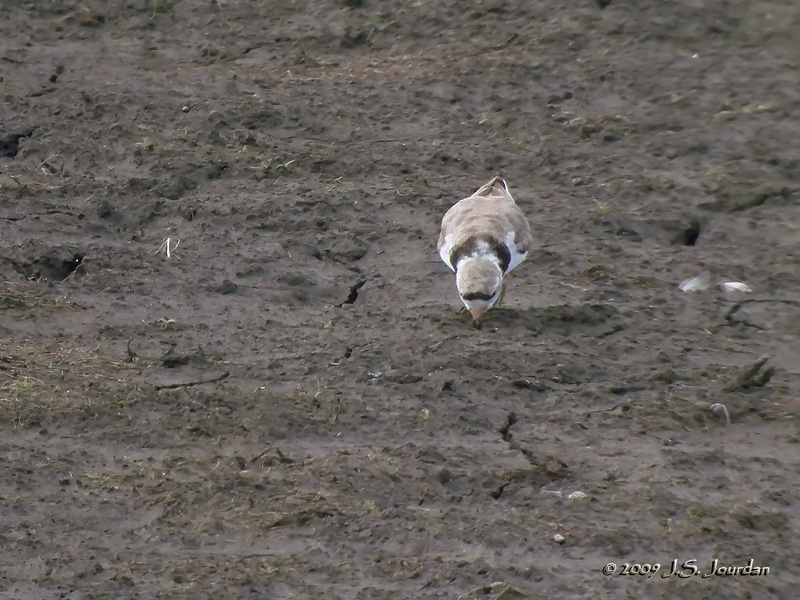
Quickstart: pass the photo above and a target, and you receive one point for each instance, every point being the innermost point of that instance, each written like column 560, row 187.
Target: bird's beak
column 478, row 314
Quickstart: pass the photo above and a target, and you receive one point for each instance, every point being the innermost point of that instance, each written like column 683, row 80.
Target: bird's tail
column 495, row 188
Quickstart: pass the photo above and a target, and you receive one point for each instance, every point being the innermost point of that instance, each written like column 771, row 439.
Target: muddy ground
column 290, row 404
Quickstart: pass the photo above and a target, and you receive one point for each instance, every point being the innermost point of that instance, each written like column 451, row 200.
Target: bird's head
column 479, row 281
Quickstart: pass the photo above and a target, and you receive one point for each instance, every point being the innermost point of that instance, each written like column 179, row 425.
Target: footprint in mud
column 53, row 265
column 563, row 319
column 669, row 232
column 9, row 144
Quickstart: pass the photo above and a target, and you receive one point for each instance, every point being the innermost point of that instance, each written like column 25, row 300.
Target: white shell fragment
column 703, row 282
column 559, row 539
column 577, row 496
column 696, row 284
column 734, row 286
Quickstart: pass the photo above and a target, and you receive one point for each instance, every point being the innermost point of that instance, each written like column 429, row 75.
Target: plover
column 483, row 238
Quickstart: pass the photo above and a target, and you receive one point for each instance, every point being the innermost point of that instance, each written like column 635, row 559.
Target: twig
column 78, row 267
column 281, row 456
column 763, row 378
column 478, row 590
column 600, row 410
column 131, row 354
column 716, row 407
column 506, row 591
column 747, row 376
column 338, row 410
column 735, row 307
column 45, row 161
column 165, row 245
column 175, row 386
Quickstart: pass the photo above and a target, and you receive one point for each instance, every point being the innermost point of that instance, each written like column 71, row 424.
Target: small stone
column 92, row 20
column 186, row 109
column 559, row 539
column 226, row 287
column 402, row 378
column 577, row 496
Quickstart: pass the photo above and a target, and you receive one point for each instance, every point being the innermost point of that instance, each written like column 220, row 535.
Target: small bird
column 483, row 238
